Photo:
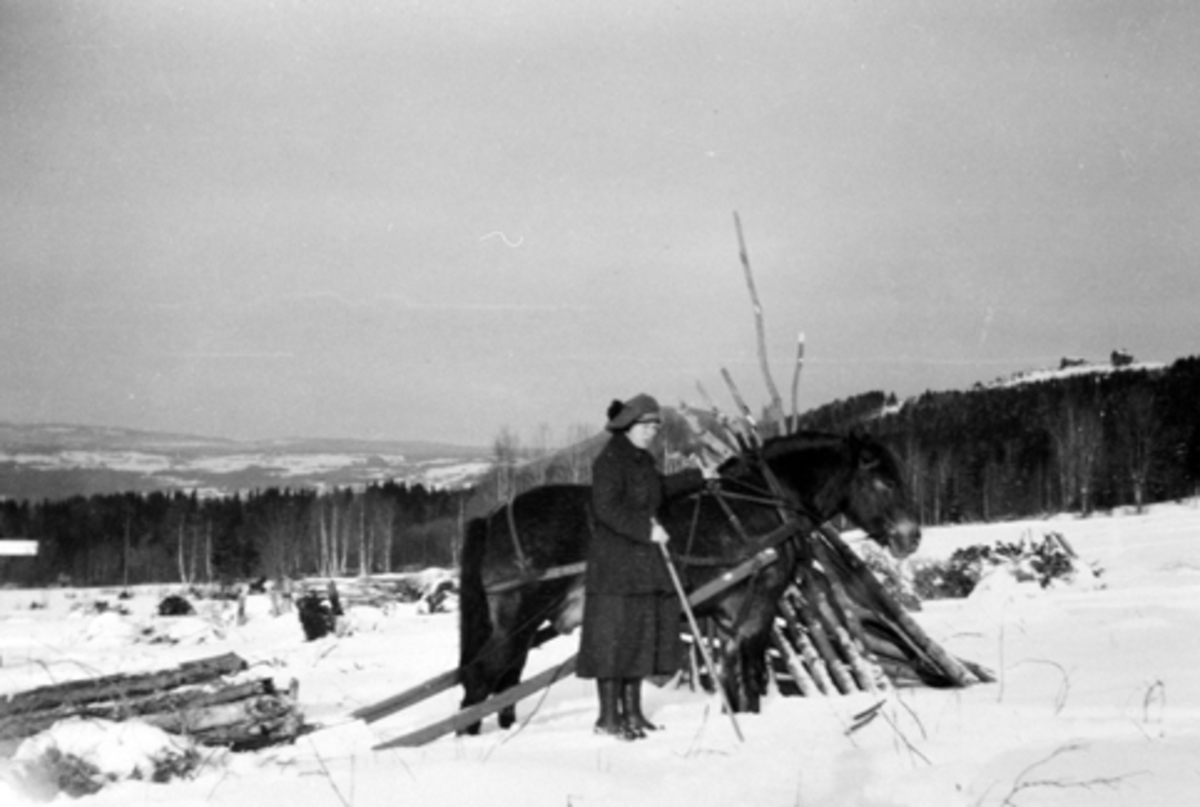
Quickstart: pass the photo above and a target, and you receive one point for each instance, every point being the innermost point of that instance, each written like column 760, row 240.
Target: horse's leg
column 480, row 677
column 487, row 672
column 540, row 604
column 510, row 678
column 753, row 659
column 735, row 674
column 730, row 678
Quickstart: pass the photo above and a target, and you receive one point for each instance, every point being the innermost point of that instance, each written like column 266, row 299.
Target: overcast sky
column 433, row 220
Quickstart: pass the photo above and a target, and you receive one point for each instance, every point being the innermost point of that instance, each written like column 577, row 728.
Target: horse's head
column 830, row 474
column 876, row 498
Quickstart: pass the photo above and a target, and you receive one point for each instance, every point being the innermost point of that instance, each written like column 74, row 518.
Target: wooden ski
column 422, row 691
column 472, row 714
column 428, row 688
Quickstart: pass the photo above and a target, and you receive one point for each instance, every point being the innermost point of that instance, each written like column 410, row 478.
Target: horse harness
column 525, row 572
column 760, row 551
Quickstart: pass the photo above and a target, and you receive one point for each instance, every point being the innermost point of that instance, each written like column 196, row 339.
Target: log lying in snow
column 114, row 687
column 191, row 699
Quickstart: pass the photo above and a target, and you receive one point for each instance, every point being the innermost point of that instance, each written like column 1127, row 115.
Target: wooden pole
column 855, row 640
column 840, row 637
column 747, row 415
column 951, row 667
column 819, row 671
column 795, row 665
column 776, row 406
column 824, row 645
column 691, row 618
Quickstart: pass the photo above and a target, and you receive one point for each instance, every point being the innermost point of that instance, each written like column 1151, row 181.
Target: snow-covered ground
column 1097, row 701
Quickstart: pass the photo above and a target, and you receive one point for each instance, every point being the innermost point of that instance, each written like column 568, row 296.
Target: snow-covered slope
column 1097, row 703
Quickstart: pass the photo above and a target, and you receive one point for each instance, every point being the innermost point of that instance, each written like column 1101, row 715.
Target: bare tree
column 941, row 470
column 1078, row 438
column 580, row 468
column 506, row 450
column 364, row 554
column 539, row 452
column 914, row 464
column 1138, row 430
column 380, row 522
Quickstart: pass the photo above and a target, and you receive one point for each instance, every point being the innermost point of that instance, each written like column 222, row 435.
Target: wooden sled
column 431, row 687
column 841, row 655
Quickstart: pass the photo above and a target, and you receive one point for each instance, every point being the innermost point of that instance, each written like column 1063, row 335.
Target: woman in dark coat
column 631, row 616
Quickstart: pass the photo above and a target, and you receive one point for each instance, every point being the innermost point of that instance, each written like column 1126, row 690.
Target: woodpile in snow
column 209, row 701
column 343, row 607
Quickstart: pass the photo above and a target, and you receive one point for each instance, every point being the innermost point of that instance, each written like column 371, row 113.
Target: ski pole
column 691, row 618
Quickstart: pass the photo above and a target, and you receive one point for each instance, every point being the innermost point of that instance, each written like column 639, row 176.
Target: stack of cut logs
column 193, row 699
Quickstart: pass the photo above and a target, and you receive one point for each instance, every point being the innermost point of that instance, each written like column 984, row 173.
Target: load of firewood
column 838, row 629
column 196, row 699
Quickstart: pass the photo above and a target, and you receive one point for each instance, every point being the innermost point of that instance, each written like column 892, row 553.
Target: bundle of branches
column 194, row 699
column 1048, row 562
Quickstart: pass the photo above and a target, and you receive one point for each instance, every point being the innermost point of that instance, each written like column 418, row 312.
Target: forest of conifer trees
column 1079, row 443
column 179, row 537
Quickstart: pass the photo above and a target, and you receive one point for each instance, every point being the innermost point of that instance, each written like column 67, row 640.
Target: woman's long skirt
column 630, row 636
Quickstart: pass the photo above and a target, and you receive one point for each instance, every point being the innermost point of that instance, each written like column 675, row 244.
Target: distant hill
column 1078, row 437
column 55, row 461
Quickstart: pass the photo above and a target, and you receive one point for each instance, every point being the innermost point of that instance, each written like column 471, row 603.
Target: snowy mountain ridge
column 62, row 460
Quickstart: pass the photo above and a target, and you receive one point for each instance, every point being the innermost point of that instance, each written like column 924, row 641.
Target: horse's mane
column 800, row 441
column 858, row 443
column 781, row 445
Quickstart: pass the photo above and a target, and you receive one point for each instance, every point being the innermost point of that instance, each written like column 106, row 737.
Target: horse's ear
column 856, row 439
column 863, row 448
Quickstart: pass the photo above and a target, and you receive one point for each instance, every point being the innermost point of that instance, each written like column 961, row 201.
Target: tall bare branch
column 776, row 405
column 795, row 420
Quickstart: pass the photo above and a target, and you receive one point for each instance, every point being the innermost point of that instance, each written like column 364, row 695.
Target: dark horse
column 506, row 595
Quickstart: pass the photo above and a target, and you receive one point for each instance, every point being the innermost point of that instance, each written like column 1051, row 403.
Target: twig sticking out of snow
column 1064, row 689
column 1021, row 783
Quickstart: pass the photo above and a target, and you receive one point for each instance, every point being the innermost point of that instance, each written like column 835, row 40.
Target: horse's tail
column 474, row 619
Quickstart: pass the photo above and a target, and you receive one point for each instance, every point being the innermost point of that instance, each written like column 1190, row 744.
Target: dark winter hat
column 639, row 408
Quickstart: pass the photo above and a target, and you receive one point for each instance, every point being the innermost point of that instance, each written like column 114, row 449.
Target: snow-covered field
column 1097, row 702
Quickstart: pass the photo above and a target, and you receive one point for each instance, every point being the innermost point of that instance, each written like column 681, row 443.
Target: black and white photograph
column 602, row 404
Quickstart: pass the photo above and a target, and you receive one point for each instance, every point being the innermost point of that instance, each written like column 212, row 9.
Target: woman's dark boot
column 631, row 701
column 610, row 721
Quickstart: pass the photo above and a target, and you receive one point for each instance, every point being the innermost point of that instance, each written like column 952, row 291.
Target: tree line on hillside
column 131, row 538
column 1124, row 435
column 1079, row 443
